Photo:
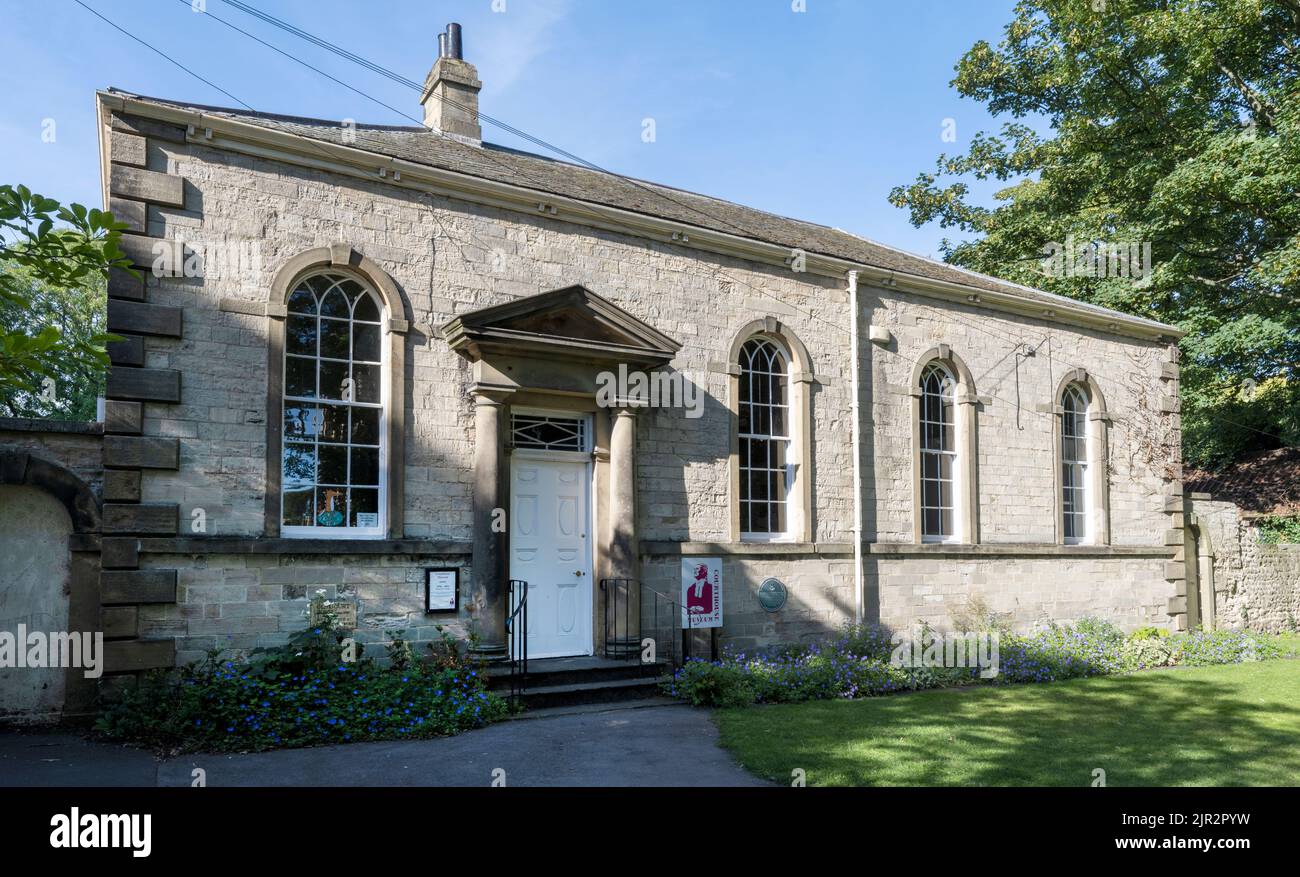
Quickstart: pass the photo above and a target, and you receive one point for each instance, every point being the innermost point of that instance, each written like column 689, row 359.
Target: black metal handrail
column 622, row 600
column 517, row 637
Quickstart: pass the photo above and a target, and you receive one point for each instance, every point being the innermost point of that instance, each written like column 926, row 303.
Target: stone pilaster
column 488, row 592
column 624, row 560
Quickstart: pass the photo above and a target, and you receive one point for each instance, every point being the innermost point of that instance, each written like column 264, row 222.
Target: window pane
column 331, row 506
column 776, row 455
column 363, row 510
column 365, row 383
column 776, row 485
column 365, row 343
column 365, row 466
column 778, row 422
column 334, row 427
column 351, row 289
column 758, row 484
column 929, row 466
column 930, row 494
column 332, row 376
column 335, row 305
column 930, row 523
column 945, row 466
column 778, row 518
column 302, row 301
column 334, row 339
column 945, row 522
column 759, row 520
column 299, row 464
column 301, row 421
column 300, row 335
column 332, row 466
column 300, row 377
column 366, row 309
column 298, row 506
column 365, row 426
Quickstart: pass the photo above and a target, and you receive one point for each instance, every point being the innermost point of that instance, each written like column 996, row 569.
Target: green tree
column 1170, row 122
column 54, row 263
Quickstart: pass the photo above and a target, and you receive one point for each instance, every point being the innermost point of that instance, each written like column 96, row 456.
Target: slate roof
column 504, row 165
column 1267, row 483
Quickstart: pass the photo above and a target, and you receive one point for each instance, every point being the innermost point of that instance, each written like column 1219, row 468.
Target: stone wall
column 1256, row 586
column 239, row 602
column 71, row 444
column 449, row 257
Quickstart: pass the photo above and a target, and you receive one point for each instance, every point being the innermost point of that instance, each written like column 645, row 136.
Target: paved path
column 652, row 746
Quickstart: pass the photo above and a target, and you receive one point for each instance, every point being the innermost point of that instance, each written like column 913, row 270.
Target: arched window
column 333, row 475
column 764, row 434
column 1076, row 490
column 939, row 463
column 945, row 447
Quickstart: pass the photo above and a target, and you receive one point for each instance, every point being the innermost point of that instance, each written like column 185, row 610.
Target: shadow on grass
column 1213, row 726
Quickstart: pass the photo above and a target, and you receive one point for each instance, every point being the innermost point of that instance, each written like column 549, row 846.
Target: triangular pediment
column 569, row 322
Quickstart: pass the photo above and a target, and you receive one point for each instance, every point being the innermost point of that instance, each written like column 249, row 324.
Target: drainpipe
column 857, row 448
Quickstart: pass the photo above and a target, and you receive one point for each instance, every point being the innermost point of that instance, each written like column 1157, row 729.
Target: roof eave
column 220, row 131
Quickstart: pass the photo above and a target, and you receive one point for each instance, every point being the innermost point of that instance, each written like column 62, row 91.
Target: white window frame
column 953, row 482
column 787, row 534
column 344, row 532
column 1084, row 487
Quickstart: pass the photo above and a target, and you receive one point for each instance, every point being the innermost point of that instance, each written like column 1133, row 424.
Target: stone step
column 550, row 672
column 582, row 693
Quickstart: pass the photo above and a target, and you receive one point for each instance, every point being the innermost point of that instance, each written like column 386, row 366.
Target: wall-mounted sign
column 701, row 592
column 441, row 590
column 772, row 594
column 344, row 613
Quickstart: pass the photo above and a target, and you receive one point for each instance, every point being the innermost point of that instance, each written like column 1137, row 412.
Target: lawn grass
column 1236, row 725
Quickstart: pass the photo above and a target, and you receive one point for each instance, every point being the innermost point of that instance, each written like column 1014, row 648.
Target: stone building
column 357, row 353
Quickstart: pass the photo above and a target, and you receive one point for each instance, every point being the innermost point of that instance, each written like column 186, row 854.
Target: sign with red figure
column 701, row 592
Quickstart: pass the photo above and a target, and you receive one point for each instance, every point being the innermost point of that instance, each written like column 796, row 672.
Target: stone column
column 488, row 594
column 624, row 550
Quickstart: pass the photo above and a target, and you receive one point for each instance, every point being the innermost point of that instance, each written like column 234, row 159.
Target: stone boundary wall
column 1256, row 586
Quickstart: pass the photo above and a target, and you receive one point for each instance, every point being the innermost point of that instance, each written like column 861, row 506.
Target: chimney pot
column 450, row 94
column 454, row 49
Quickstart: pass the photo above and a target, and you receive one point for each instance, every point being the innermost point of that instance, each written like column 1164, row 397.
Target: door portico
column 547, row 352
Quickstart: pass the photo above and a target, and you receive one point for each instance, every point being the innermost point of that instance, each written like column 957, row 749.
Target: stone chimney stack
column 450, row 95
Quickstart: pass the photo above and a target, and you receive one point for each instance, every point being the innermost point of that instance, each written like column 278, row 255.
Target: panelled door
column 550, row 548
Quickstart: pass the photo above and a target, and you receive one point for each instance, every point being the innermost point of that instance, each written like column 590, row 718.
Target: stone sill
column 37, row 424
column 893, row 549
column 1015, row 549
column 671, row 549
column 259, row 545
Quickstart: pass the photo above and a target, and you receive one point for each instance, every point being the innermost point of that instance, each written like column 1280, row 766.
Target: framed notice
column 441, row 590
column 701, row 592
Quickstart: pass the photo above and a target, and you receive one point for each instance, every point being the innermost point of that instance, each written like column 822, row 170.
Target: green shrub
column 858, row 663
column 1278, row 528
column 701, row 683
column 300, row 694
column 1145, row 652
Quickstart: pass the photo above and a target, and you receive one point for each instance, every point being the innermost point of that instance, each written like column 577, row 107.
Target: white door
column 550, row 549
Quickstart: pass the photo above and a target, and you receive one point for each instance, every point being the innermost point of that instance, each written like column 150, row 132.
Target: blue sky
column 814, row 115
